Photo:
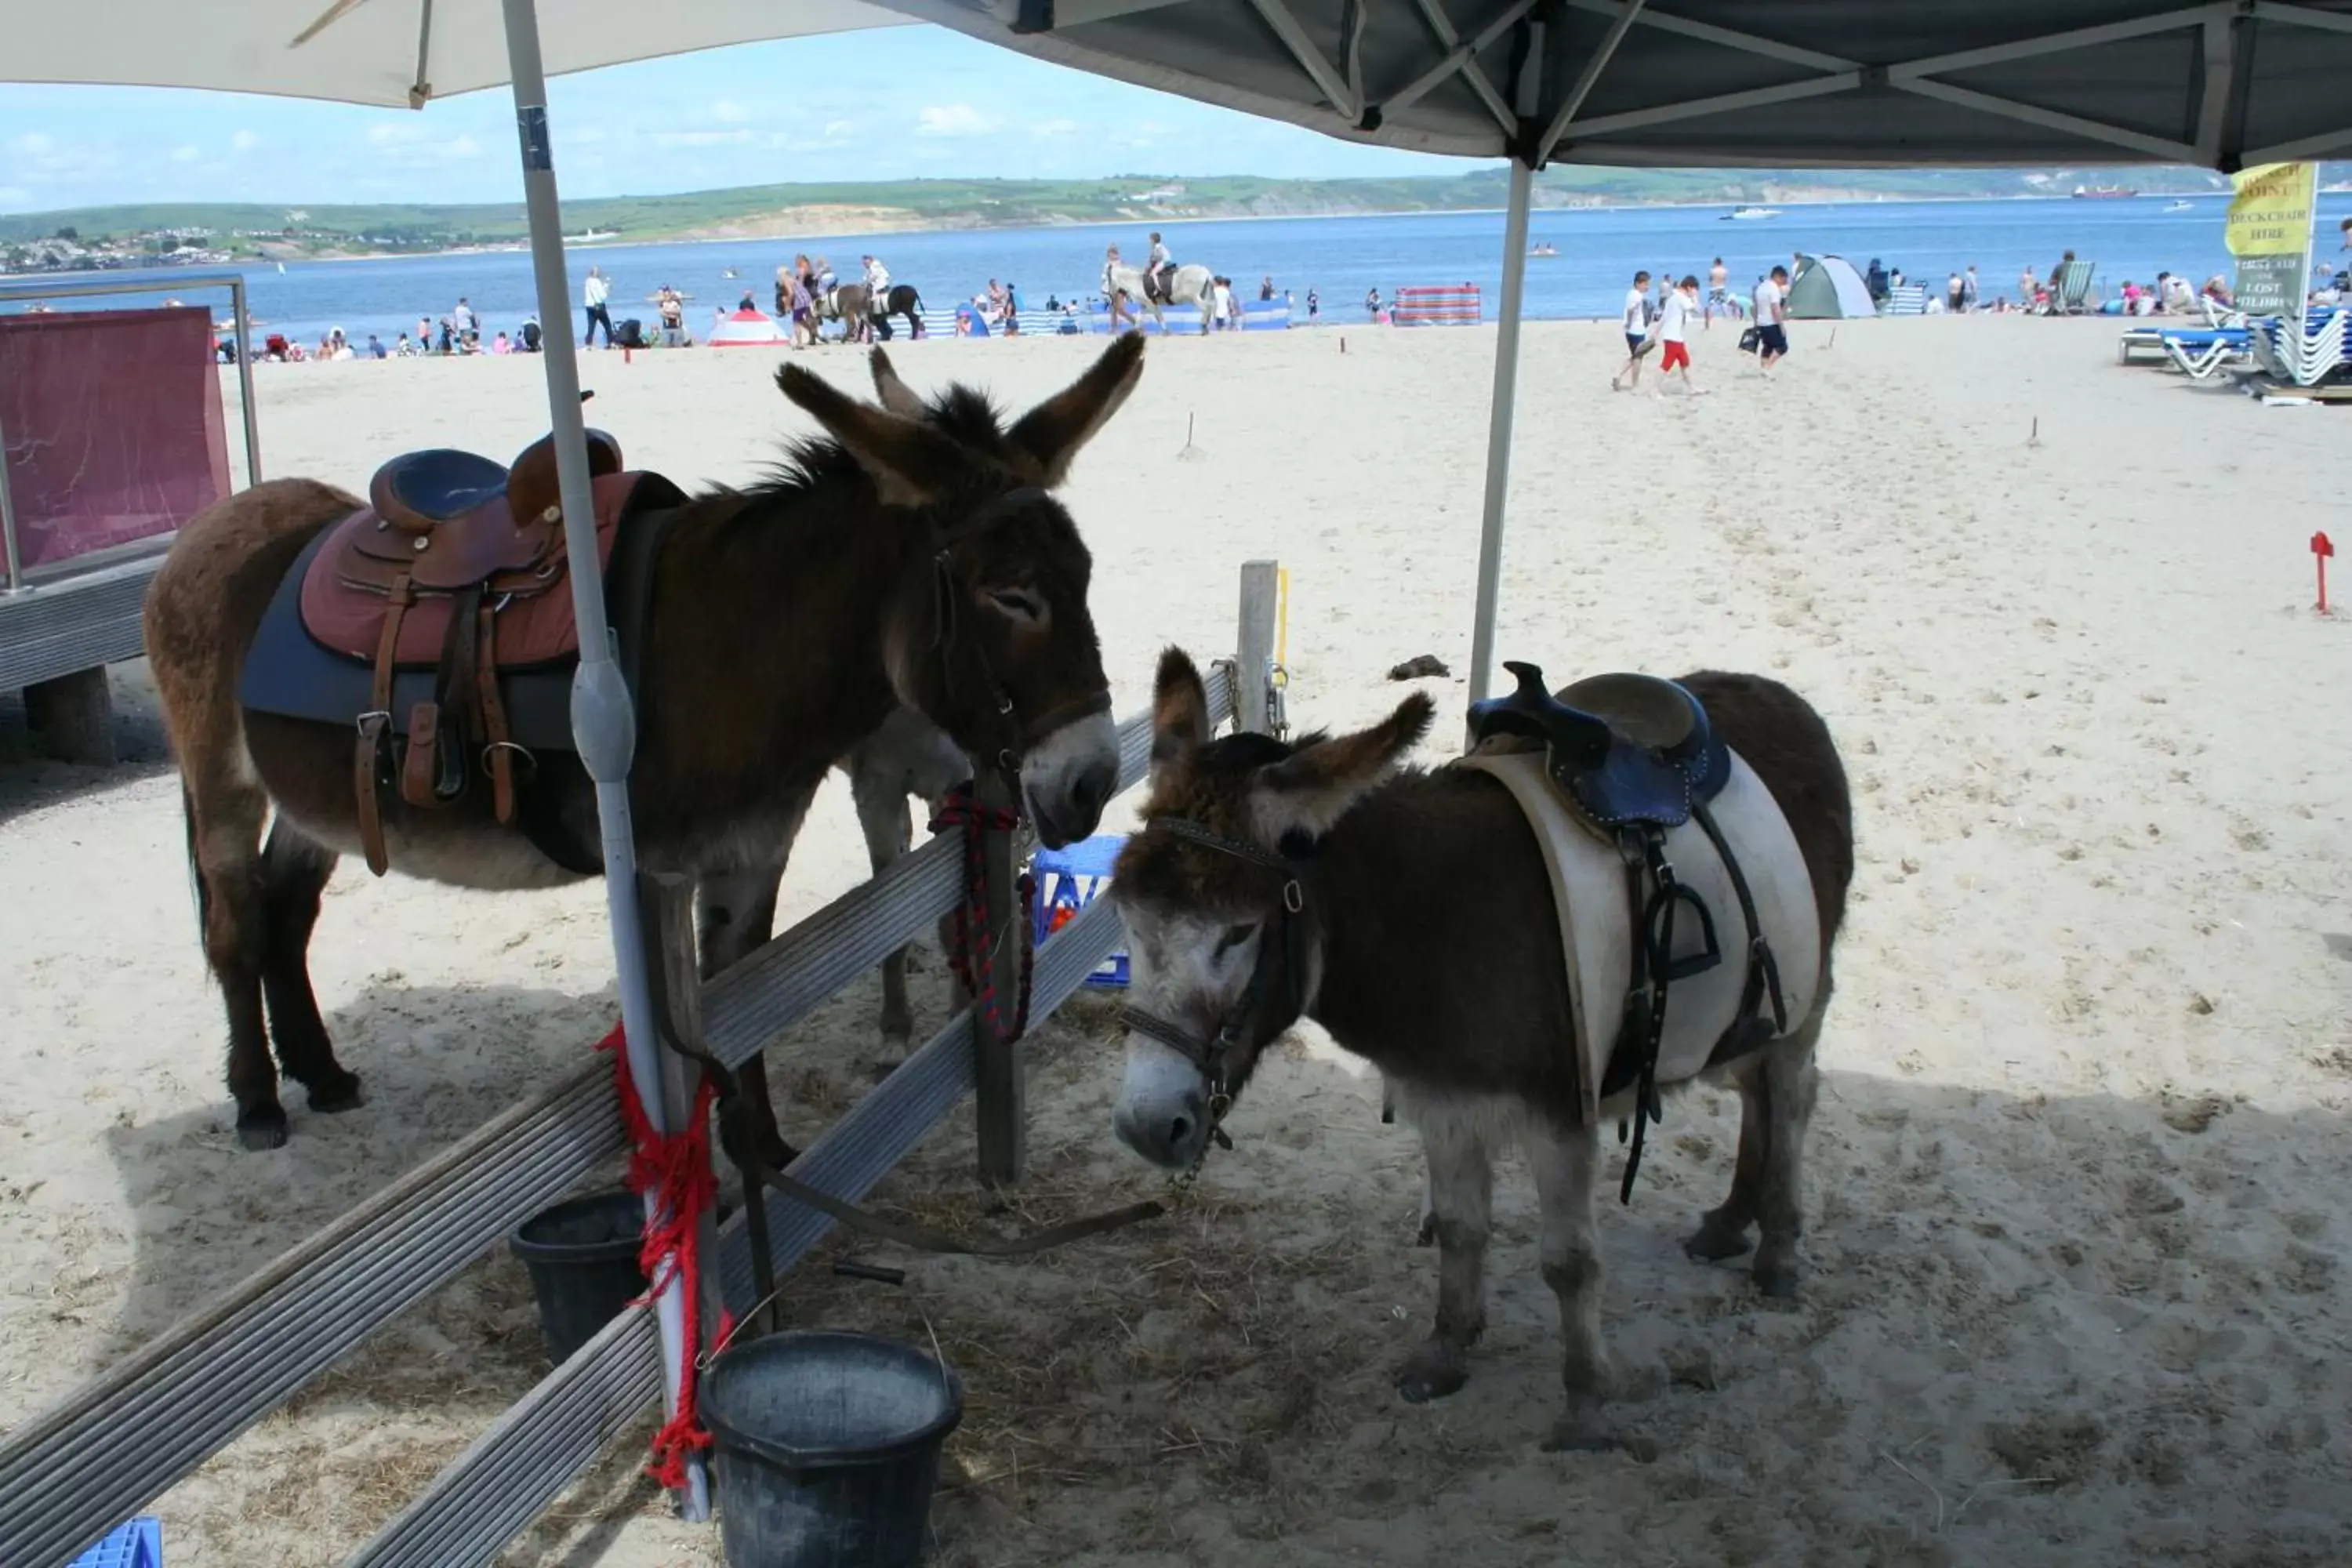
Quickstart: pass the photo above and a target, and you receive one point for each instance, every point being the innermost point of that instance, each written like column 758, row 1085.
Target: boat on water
column 2102, row 192
column 2181, row 207
column 1749, row 215
column 1542, row 250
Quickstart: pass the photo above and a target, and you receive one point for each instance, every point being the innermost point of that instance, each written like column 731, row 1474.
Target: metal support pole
column 603, row 726
column 8, row 519
column 1502, row 403
column 1499, row 428
column 1000, row 1072
column 1253, row 652
column 238, row 314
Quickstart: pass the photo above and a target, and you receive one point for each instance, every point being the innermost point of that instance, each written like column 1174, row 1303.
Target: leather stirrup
column 375, row 731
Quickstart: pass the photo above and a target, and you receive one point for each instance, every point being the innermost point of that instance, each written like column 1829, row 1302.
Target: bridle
column 1012, row 736
column 1211, row 1054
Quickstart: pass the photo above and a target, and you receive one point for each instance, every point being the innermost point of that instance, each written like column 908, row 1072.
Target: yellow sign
column 2271, row 214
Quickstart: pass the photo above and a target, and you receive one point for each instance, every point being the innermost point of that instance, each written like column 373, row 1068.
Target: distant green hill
column 260, row 228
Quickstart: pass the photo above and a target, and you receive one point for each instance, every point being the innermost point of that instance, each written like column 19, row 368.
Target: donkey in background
column 1408, row 912
column 896, row 562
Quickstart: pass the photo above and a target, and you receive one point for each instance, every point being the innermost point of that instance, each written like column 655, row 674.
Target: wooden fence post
column 1254, row 654
column 1000, row 1077
column 666, row 913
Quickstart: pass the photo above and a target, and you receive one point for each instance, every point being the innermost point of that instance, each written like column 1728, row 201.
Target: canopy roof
column 394, row 53
column 1839, row 83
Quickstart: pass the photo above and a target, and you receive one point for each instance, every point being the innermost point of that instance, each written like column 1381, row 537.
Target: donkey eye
column 1235, row 936
column 1021, row 606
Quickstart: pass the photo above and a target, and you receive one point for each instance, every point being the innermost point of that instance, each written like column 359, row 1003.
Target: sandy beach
column 2077, row 1185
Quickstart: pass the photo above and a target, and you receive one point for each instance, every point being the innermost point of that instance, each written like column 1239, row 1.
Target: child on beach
column 1674, row 332
column 1637, row 333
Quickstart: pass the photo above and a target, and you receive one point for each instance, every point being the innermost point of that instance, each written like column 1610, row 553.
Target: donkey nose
column 1165, row 1135
column 1090, row 794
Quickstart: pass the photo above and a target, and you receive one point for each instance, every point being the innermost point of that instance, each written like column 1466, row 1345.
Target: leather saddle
column 450, row 584
column 1626, row 750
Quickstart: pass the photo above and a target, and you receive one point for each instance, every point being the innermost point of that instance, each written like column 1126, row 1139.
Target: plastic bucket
column 582, row 1258
column 828, row 1448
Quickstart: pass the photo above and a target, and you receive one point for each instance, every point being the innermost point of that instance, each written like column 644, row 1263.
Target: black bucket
column 828, row 1448
column 582, row 1258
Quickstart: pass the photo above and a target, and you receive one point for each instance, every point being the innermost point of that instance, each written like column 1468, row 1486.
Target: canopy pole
column 1498, row 425
column 602, row 723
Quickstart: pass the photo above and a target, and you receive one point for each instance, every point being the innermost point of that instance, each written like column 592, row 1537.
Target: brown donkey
column 1423, row 935
column 901, row 561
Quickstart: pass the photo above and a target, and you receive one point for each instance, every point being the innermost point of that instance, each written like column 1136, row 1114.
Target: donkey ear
column 1050, row 435
column 909, row 462
column 1179, row 712
column 1309, row 791
column 896, row 395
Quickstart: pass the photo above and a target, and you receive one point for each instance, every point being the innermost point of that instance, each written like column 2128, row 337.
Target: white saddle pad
column 1587, row 884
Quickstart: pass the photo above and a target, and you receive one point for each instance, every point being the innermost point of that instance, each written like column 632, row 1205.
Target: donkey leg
column 225, row 817
column 1790, row 1081
column 1723, row 1231
column 735, row 912
column 294, row 872
column 1566, row 1162
column 889, row 830
column 1460, row 1194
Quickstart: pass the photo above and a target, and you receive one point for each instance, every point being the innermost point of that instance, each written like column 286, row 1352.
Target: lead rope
column 971, row 945
column 677, row 1165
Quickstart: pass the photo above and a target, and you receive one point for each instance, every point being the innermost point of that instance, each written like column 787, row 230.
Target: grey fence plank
column 69, row 1475
column 74, row 623
column 485, row 1496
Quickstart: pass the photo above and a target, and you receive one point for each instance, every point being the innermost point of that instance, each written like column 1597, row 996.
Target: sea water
column 1339, row 259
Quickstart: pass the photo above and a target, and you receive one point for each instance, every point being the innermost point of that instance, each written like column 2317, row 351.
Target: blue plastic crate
column 1068, row 879
column 139, row 1545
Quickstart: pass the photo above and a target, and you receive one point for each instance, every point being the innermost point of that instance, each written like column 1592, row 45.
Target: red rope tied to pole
column 967, row 944
column 676, row 1166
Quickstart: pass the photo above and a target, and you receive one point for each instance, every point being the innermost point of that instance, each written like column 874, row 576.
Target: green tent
column 1828, row 289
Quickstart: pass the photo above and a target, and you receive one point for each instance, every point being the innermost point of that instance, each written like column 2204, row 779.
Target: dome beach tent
column 1716, row 83
column 1828, row 289
column 748, row 329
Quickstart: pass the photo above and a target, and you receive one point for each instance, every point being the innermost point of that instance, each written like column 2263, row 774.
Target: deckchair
column 2306, row 352
column 2070, row 288
column 2203, row 362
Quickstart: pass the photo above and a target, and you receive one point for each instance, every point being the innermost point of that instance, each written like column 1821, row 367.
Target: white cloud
column 727, row 111
column 1055, row 127
column 699, row 138
column 188, row 152
column 244, row 141
column 31, row 144
column 952, row 119
column 415, row 143
column 10, row 195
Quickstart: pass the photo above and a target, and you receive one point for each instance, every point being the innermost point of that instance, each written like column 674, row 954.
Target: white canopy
column 390, row 53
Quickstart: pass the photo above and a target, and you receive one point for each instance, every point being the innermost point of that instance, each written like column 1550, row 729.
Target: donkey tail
column 196, row 891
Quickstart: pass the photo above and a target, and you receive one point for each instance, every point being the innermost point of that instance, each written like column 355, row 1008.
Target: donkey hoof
column 1779, row 1281
column 1716, row 1240
column 339, row 1093
column 1427, row 1234
column 1435, row 1369
column 262, row 1130
column 1588, row 1434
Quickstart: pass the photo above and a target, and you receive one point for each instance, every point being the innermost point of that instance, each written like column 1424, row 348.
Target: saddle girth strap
column 372, row 759
column 497, row 741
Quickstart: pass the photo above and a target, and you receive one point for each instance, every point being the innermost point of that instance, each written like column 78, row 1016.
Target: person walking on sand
column 1121, row 313
column 1637, row 334
column 1718, row 291
column 1674, row 332
column 1772, row 321
column 593, row 295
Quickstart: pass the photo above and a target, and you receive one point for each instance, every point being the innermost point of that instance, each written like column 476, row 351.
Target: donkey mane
column 966, row 413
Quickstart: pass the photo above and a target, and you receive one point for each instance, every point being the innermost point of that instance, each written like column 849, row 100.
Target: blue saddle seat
column 1625, row 750
column 440, row 484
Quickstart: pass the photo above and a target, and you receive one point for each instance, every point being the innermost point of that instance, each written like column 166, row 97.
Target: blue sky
column 906, row 103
